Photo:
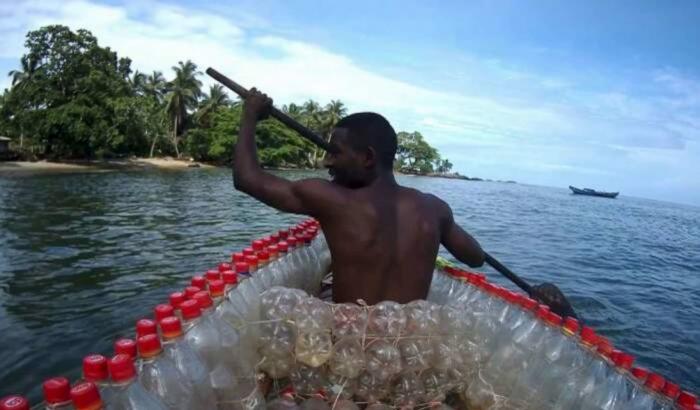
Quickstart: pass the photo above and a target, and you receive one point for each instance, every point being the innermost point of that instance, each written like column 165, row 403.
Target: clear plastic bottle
column 577, row 374
column 436, row 384
column 217, row 289
column 612, row 391
column 383, row 359
column 422, row 318
column 313, row 315
column 348, row 357
column 187, row 361
column 129, row 394
column 345, row 404
column 308, row 380
column 86, row 396
column 371, row 389
column 313, row 348
column 407, row 390
column 95, row 371
column 339, row 388
column 280, row 303
column 57, row 394
column 349, row 319
column 386, row 319
column 314, row 403
column 646, row 398
column 159, row 376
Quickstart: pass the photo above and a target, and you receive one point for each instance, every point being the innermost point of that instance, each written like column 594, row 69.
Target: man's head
column 365, row 146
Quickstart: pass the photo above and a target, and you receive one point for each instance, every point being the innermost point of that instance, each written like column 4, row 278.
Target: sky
column 593, row 93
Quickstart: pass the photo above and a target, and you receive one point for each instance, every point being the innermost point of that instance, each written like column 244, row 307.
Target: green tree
column 414, row 155
column 215, row 99
column 183, row 94
column 443, row 166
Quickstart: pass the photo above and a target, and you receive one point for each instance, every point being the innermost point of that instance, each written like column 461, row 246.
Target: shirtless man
column 383, row 237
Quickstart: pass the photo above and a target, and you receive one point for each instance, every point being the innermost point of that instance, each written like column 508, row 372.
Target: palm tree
column 211, row 102
column 332, row 113
column 155, row 86
column 29, row 67
column 138, row 82
column 293, row 111
column 183, row 93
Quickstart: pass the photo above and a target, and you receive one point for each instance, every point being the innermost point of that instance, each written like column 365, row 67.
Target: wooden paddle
column 546, row 293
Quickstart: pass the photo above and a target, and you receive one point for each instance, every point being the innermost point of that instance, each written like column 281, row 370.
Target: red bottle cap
column 263, row 256
column 624, row 360
column 283, row 234
column 216, row 288
column 283, row 246
column 224, row 266
column 121, row 368
column 86, row 396
column 199, row 281
column 176, row 299
column 258, row 245
column 588, row 335
column 14, row 403
column 237, row 257
column 125, row 346
column 242, row 267
column 213, row 274
column 251, row 260
column 162, row 311
column 229, row 277
column 604, row 347
column 145, row 327
column 571, row 325
column 56, row 390
column 273, row 249
column 203, row 300
column 542, row 311
column 292, row 241
column 640, row 373
column 190, row 291
column 190, row 309
column 248, row 251
column 275, row 237
column 687, row 400
column 95, row 368
column 671, row 390
column 266, row 241
column 655, row 382
column 553, row 319
column 149, row 346
column 171, row 327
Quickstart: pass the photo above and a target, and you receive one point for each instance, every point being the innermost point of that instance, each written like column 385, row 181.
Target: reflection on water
column 83, row 256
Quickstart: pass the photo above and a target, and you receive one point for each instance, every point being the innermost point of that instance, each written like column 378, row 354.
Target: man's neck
column 384, row 180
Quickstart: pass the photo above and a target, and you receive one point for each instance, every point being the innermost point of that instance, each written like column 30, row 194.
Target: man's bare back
column 383, row 238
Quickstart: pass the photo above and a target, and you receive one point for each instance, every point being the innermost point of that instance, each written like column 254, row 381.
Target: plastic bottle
column 175, row 299
column 577, row 376
column 313, row 348
column 313, row 315
column 86, row 396
column 129, row 394
column 339, row 388
column 280, row 303
column 217, row 288
column 422, row 318
column 370, row 388
column 314, row 403
column 647, row 398
column 613, row 391
column 57, row 393
column 308, row 380
column 125, row 346
column 159, row 376
column 407, row 390
column 95, row 371
column 386, row 319
column 284, row 402
column 416, row 353
column 686, row 401
column 14, row 403
column 146, row 327
column 436, row 384
column 383, row 359
column 187, row 361
column 348, row 358
column 345, row 404
column 349, row 319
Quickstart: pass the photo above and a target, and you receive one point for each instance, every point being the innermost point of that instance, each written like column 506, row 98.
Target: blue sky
column 596, row 93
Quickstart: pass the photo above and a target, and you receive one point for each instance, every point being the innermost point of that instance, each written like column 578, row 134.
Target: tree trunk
column 177, row 151
column 153, row 145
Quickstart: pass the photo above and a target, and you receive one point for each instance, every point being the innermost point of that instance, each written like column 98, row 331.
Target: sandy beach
column 99, row 166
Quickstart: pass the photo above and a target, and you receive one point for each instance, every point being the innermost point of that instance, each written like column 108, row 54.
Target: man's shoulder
column 424, row 198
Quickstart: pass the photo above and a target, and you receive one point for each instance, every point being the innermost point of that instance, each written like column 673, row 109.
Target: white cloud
column 493, row 117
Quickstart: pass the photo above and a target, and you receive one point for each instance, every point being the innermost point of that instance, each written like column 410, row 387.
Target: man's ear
column 370, row 157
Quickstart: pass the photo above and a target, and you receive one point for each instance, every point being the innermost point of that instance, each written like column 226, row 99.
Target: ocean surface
column 83, row 256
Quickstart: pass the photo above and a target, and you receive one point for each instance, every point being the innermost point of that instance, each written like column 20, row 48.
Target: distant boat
column 593, row 192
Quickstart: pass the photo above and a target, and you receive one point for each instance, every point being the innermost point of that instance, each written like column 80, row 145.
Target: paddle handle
column 274, row 112
column 508, row 274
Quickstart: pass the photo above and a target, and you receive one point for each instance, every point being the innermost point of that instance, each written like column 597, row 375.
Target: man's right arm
column 457, row 241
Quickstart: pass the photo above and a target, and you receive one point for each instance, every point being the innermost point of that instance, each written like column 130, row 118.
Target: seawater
column 84, row 255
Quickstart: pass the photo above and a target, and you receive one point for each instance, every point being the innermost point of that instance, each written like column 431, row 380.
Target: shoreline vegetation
column 160, row 163
column 75, row 105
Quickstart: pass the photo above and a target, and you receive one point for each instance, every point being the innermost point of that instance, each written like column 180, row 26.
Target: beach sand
column 98, row 166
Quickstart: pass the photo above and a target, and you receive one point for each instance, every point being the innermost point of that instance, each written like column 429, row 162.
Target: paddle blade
column 553, row 297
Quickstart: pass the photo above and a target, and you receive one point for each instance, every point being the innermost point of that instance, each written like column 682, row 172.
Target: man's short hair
column 369, row 129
